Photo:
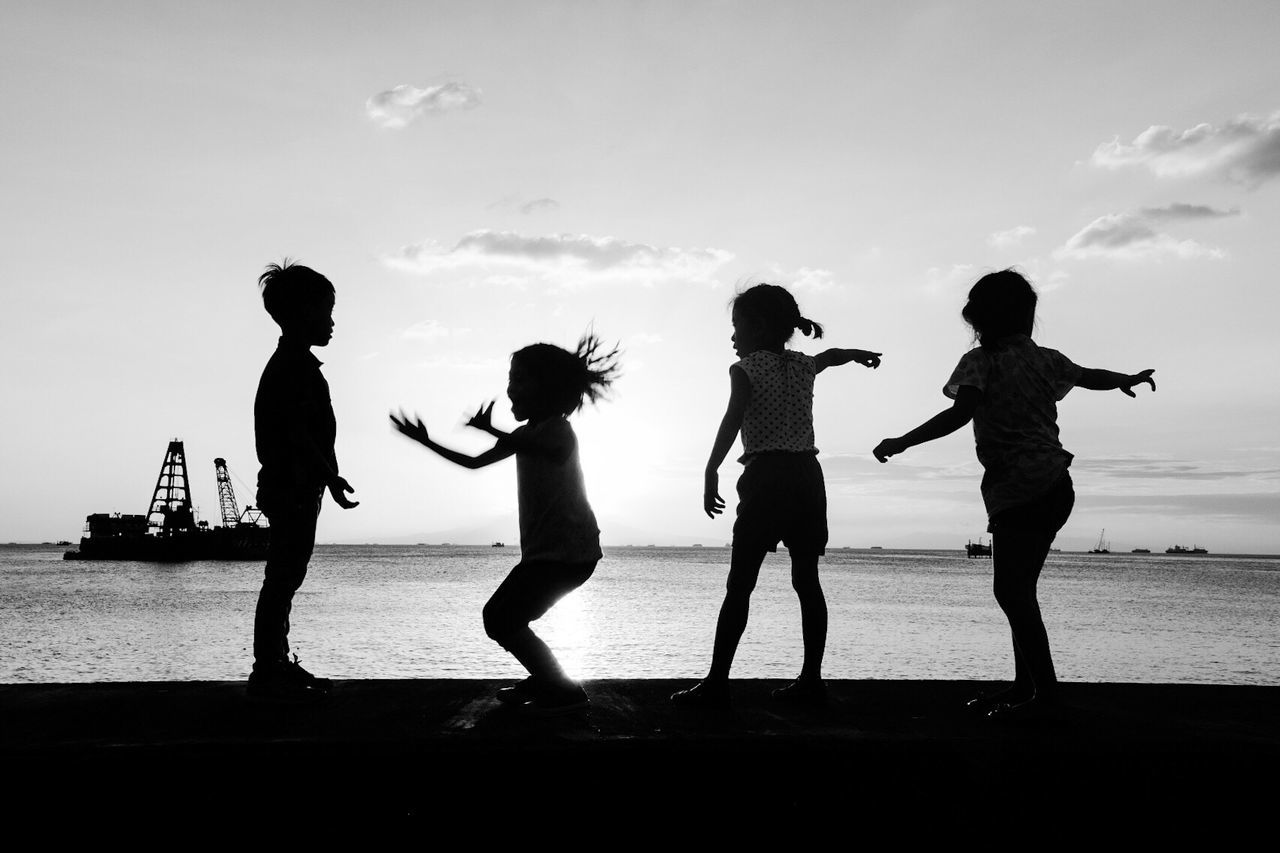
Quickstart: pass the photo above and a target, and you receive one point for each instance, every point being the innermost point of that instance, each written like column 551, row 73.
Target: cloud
column 570, row 259
column 943, row 280
column 1130, row 236
column 805, row 278
column 1244, row 150
column 539, row 205
column 430, row 330
column 1012, row 237
column 396, row 108
column 1166, row 469
column 1180, row 211
column 1196, row 507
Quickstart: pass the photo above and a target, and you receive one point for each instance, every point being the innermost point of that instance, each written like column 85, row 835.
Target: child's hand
column 867, row 358
column 414, row 429
column 1138, row 379
column 889, row 447
column 483, row 418
column 712, row 503
column 338, row 486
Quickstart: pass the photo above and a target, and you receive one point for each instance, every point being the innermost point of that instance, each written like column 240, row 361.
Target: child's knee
column 806, row 585
column 740, row 586
column 500, row 624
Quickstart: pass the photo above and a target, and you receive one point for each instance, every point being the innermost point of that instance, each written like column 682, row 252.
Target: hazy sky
column 477, row 176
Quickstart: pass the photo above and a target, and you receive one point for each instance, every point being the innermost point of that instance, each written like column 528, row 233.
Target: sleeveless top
column 556, row 521
column 779, row 416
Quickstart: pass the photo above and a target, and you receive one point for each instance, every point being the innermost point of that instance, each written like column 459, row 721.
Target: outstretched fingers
column 412, row 427
column 483, row 418
column 1139, row 379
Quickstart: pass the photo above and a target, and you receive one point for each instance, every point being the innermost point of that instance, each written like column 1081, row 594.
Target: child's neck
column 295, row 340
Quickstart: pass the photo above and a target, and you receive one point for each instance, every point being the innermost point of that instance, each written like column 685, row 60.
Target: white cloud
column 1244, row 150
column 396, row 108
column 430, row 330
column 1130, row 236
column 804, row 278
column 540, row 205
column 941, row 280
column 1011, row 237
column 567, row 259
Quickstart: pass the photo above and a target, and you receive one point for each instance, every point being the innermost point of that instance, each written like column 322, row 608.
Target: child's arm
column 944, row 423
column 837, row 357
column 415, row 430
column 1108, row 380
column 739, row 396
column 556, row 443
column 317, row 460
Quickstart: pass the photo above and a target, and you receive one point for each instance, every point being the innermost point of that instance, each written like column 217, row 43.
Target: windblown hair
column 775, row 310
column 568, row 379
column 289, row 288
column 1000, row 304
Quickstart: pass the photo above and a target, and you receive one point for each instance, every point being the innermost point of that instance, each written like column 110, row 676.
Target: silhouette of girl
column 559, row 539
column 781, row 494
column 1009, row 387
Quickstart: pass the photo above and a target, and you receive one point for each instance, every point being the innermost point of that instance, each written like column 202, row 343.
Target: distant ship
column 498, row 545
column 977, row 549
column 1102, row 547
column 1182, row 549
column 1141, row 551
column 169, row 532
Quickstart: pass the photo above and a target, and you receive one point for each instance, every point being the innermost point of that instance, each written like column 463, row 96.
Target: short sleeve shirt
column 556, row 521
column 779, row 416
column 1015, row 426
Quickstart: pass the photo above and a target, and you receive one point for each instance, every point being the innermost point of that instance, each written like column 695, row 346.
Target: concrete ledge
column 434, row 753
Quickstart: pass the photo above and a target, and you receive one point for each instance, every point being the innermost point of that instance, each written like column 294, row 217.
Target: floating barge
column 169, row 532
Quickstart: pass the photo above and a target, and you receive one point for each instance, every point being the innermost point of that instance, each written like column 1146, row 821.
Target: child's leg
column 813, row 613
column 744, row 570
column 293, row 538
column 529, row 591
column 1018, row 557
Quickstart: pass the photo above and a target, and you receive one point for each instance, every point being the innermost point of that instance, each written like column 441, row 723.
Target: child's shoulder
column 772, row 359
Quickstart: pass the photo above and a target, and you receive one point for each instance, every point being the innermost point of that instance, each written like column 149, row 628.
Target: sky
column 477, row 176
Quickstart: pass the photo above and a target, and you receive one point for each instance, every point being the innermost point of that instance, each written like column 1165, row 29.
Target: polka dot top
column 779, row 416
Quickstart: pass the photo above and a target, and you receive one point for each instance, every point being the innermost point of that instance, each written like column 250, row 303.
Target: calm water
column 414, row 612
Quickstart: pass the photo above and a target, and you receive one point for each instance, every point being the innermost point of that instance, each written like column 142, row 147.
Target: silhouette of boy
column 294, row 429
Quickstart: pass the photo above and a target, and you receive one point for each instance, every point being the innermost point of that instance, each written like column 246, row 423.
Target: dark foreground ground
column 897, row 756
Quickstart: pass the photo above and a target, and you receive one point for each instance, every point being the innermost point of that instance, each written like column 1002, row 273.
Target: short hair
column 567, row 379
column 775, row 310
column 289, row 288
column 1000, row 304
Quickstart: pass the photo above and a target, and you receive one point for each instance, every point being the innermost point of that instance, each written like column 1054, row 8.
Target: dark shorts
column 782, row 498
column 1046, row 514
column 529, row 591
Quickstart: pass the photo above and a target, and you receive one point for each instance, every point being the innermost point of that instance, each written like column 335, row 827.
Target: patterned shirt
column 1016, row 424
column 779, row 416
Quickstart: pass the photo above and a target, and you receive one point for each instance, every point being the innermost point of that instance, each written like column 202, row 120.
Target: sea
column 413, row 612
